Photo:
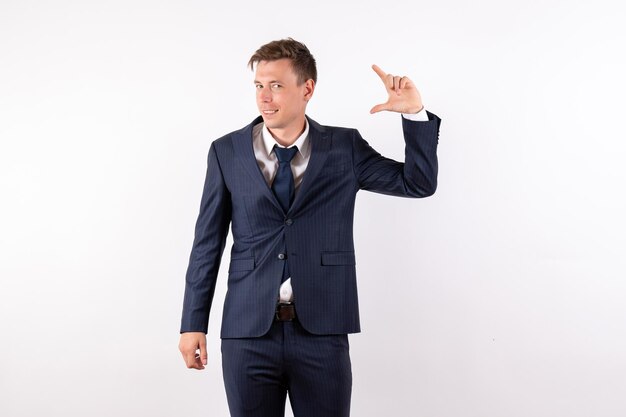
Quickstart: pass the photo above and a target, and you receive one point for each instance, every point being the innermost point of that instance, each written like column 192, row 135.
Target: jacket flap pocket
column 338, row 258
column 241, row 264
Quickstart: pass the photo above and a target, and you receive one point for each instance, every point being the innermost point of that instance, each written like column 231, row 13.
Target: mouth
column 269, row 112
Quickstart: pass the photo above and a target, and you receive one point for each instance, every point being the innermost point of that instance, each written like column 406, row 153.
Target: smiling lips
column 270, row 111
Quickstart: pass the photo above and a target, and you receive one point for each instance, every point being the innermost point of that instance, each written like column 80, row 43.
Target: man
column 287, row 186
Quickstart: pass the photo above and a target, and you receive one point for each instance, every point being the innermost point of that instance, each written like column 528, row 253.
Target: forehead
column 279, row 70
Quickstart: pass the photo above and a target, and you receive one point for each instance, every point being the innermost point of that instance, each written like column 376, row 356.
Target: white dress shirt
column 263, row 143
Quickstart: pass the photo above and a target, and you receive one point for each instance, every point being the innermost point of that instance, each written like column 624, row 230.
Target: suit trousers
column 314, row 370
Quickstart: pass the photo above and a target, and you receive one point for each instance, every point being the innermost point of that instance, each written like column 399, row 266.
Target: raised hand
column 403, row 96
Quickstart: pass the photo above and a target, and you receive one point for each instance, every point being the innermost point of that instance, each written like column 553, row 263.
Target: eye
column 276, row 86
column 258, row 86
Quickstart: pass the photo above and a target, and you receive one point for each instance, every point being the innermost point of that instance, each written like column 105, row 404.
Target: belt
column 285, row 312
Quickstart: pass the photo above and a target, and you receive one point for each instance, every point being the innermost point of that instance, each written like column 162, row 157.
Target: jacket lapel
column 244, row 151
column 320, row 144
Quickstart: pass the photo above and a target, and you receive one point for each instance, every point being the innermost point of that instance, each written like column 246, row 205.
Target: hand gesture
column 403, row 96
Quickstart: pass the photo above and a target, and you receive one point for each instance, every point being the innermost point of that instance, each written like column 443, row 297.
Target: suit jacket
column 315, row 234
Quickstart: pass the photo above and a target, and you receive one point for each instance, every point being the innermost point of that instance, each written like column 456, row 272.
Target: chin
column 271, row 124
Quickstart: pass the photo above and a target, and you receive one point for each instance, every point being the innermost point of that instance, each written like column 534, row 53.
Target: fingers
column 197, row 364
column 203, row 354
column 405, row 82
column 403, row 96
column 401, row 83
column 394, row 83
column 387, row 79
column 192, row 360
column 380, row 107
column 189, row 345
column 382, row 74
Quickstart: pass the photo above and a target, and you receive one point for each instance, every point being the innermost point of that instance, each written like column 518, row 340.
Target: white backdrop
column 510, row 279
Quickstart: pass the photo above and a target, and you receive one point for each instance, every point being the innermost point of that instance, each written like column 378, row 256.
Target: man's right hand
column 190, row 343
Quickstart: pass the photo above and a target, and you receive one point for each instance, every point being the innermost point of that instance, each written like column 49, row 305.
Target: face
column 281, row 101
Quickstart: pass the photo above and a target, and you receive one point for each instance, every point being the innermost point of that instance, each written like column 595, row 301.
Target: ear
column 309, row 87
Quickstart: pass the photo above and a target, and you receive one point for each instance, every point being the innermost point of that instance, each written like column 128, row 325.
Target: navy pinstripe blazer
column 315, row 234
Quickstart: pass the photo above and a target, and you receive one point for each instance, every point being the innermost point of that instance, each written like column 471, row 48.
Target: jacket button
column 288, row 222
column 281, row 256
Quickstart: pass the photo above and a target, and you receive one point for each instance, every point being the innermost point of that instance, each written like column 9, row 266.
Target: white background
column 500, row 296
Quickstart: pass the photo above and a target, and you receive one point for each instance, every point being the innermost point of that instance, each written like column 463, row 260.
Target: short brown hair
column 302, row 61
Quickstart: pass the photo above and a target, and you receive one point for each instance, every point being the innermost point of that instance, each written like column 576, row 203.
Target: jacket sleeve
column 415, row 177
column 208, row 245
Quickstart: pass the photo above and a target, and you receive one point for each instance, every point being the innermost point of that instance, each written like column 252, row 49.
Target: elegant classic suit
column 264, row 360
column 314, row 235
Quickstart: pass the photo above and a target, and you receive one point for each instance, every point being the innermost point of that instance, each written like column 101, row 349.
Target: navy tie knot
column 285, row 154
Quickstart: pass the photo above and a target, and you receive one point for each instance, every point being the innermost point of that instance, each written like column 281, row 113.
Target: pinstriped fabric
column 315, row 372
column 315, row 233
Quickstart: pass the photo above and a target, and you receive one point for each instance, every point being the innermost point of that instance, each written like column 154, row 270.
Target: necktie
column 283, row 185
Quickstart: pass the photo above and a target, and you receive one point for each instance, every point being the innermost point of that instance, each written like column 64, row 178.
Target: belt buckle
column 279, row 307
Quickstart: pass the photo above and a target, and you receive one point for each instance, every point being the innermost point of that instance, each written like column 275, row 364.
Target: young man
column 287, row 185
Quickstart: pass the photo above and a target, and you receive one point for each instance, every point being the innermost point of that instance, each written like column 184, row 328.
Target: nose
column 265, row 95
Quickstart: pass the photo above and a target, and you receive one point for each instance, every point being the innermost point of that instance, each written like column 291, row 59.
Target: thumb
column 379, row 107
column 203, row 354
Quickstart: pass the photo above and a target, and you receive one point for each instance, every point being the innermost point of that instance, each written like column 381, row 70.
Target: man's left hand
column 403, row 96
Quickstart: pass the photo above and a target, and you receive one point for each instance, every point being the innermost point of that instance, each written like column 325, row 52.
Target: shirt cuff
column 420, row 116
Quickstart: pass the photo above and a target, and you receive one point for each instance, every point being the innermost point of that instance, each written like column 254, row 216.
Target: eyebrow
column 269, row 82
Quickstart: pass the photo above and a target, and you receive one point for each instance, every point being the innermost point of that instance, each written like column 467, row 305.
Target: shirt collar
column 302, row 142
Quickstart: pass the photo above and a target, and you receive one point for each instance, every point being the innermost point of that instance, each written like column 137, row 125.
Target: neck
column 288, row 135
